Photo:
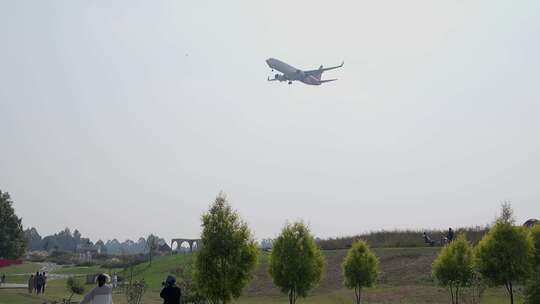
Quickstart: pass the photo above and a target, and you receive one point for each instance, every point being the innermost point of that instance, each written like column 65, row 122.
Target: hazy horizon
column 127, row 118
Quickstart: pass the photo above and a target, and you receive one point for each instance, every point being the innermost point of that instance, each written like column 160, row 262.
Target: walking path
column 45, row 267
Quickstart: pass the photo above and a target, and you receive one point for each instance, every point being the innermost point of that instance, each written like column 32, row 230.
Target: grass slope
column 405, row 278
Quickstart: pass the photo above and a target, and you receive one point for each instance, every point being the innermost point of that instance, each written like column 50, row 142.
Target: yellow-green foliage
column 453, row 268
column 360, row 268
column 505, row 255
column 296, row 263
column 225, row 263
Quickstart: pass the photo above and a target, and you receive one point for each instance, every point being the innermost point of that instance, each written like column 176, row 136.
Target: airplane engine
column 280, row 77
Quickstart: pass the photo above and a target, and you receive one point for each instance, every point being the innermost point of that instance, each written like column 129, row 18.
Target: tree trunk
column 457, row 294
column 452, row 293
column 511, row 293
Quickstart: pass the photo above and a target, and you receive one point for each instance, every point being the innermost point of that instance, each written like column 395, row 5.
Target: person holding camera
column 171, row 293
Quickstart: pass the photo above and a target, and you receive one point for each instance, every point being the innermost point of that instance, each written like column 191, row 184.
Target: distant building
column 531, row 223
column 87, row 253
column 164, row 249
column 267, row 244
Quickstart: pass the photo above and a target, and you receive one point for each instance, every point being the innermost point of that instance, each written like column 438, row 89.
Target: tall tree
column 12, row 239
column 360, row 268
column 296, row 262
column 453, row 268
column 504, row 256
column 151, row 246
column 225, row 263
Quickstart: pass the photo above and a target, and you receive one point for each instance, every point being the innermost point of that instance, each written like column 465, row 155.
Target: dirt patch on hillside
column 399, row 267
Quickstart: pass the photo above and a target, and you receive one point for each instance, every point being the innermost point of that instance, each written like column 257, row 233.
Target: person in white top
column 114, row 281
column 102, row 294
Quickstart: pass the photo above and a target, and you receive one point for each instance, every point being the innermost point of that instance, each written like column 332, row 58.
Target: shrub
column 74, row 286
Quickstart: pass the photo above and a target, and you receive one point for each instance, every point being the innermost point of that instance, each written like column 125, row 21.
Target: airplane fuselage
column 291, row 73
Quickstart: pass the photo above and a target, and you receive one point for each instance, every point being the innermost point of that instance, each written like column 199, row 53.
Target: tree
column 152, row 243
column 360, row 268
column 504, row 255
column 532, row 289
column 74, row 286
column 225, row 263
column 296, row 262
column 535, row 234
column 453, row 268
column 12, row 239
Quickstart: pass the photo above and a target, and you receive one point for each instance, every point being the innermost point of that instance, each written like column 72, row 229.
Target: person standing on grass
column 3, row 279
column 102, row 294
column 36, row 282
column 44, row 279
column 450, row 235
column 31, row 284
column 39, row 281
column 114, row 280
column 171, row 293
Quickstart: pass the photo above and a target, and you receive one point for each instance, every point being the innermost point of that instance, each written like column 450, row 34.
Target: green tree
column 360, row 268
column 296, row 262
column 225, row 263
column 535, row 234
column 12, row 239
column 532, row 289
column 74, row 286
column 504, row 256
column 453, row 268
column 152, row 243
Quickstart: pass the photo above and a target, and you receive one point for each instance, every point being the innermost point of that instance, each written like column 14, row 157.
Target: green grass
column 404, row 282
column 26, row 267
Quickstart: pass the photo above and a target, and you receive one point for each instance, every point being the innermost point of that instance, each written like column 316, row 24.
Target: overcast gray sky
column 122, row 118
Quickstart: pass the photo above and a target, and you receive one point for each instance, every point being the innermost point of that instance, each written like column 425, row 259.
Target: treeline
column 399, row 238
column 68, row 241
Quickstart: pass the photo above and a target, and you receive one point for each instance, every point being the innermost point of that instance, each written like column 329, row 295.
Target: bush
column 360, row 268
column 74, row 286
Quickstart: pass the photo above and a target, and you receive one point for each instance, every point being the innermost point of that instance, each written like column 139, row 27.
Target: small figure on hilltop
column 450, row 235
column 171, row 293
column 3, row 278
column 114, row 280
column 102, row 294
column 31, row 284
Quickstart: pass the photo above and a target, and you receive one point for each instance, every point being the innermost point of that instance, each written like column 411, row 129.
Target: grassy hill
column 405, row 278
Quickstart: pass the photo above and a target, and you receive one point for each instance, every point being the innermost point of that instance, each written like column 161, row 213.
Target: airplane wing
column 321, row 69
column 328, row 80
column 272, row 79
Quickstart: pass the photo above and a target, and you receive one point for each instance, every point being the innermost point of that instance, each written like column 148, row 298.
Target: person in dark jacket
column 171, row 293
column 450, row 235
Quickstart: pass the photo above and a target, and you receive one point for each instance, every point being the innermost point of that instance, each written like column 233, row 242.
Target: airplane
column 290, row 73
